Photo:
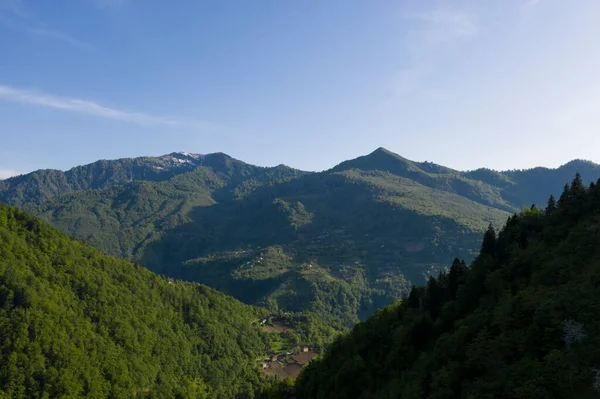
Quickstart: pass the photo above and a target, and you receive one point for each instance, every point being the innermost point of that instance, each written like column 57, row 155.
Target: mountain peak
column 186, row 155
column 382, row 150
column 381, row 159
column 385, row 153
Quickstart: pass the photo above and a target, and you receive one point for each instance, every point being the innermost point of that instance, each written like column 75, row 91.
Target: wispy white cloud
column 56, row 35
column 6, row 173
column 93, row 108
column 14, row 17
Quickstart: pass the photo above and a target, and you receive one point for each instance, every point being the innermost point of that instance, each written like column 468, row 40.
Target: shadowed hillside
column 521, row 322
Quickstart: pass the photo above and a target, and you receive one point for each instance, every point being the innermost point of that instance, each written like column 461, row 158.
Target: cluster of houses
column 295, row 356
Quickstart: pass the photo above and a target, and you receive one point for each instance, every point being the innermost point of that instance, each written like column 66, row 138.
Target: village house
column 304, row 348
column 273, row 358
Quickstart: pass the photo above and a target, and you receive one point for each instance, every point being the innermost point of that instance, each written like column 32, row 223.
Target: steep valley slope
column 340, row 243
column 520, row 322
column 77, row 323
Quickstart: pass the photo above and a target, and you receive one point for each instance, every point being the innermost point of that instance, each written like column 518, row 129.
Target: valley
column 299, row 199
column 311, row 254
column 340, row 243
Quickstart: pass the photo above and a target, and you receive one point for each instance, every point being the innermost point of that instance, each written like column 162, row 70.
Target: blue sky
column 503, row 84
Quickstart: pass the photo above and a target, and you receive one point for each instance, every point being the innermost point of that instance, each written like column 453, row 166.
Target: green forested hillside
column 340, row 243
column 521, row 322
column 77, row 323
column 122, row 219
column 45, row 184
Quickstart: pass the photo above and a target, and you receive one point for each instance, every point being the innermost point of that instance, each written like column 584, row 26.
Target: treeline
column 521, row 322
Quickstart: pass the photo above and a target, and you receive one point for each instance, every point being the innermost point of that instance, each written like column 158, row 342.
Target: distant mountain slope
column 75, row 323
column 531, row 184
column 342, row 242
column 123, row 218
column 344, row 233
column 521, row 322
column 44, row 184
column 508, row 190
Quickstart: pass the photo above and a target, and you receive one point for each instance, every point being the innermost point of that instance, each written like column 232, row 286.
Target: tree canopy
column 520, row 322
column 77, row 323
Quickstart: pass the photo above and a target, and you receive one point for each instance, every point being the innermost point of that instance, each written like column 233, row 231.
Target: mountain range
column 339, row 243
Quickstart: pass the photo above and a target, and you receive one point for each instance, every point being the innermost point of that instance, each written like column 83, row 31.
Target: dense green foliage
column 123, row 218
column 44, row 184
column 521, row 322
column 75, row 322
column 340, row 243
column 303, row 328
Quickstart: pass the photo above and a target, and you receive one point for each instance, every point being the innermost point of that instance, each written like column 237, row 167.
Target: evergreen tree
column 414, row 300
column 577, row 186
column 434, row 296
column 565, row 196
column 455, row 277
column 551, row 204
column 488, row 246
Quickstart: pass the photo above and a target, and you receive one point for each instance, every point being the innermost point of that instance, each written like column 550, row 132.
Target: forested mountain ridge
column 508, row 190
column 518, row 186
column 122, row 218
column 48, row 183
column 77, row 323
column 341, row 243
column 520, row 322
